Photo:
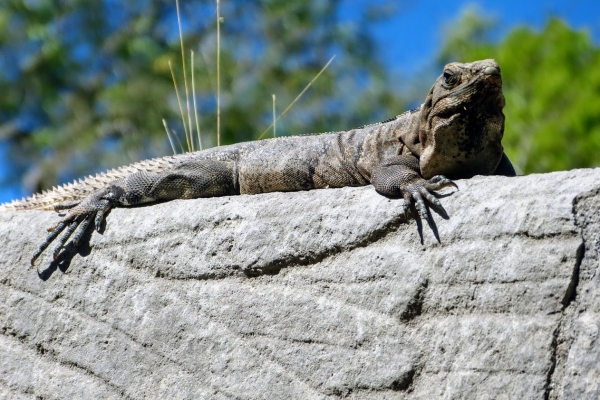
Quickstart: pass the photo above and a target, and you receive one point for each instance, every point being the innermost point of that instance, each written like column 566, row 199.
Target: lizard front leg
column 399, row 176
column 201, row 178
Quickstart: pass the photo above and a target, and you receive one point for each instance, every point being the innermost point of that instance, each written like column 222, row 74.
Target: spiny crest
column 81, row 188
column 362, row 127
column 397, row 117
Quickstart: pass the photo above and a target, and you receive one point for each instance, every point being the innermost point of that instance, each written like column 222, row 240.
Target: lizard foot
column 400, row 177
column 419, row 191
column 75, row 222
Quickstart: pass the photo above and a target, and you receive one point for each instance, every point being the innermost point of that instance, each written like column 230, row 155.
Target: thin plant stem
column 169, row 135
column 274, row 118
column 185, row 84
column 178, row 141
column 297, row 97
column 195, row 106
column 218, row 76
column 180, row 106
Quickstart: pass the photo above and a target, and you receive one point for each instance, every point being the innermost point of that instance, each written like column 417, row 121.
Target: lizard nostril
column 491, row 71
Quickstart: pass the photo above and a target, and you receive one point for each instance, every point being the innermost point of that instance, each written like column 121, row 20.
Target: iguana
column 456, row 133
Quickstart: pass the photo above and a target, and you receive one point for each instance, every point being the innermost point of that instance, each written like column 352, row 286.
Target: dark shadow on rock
column 439, row 211
column 430, row 221
column 62, row 263
column 47, row 273
column 415, row 215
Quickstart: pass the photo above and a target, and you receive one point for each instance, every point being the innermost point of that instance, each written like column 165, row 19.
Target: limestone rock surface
column 310, row 295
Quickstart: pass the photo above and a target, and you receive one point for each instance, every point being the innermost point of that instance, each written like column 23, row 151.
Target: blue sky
column 412, row 38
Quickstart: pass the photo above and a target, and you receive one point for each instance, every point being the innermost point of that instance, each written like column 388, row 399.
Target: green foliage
column 85, row 84
column 551, row 81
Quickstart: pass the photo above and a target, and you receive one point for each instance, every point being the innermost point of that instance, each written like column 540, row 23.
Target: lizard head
column 462, row 124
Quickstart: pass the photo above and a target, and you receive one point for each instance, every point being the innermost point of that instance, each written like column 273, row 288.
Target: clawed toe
column 67, row 205
column 61, row 242
column 420, row 204
column 439, row 182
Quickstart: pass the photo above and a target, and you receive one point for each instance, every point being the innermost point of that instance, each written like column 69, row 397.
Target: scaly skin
column 456, row 132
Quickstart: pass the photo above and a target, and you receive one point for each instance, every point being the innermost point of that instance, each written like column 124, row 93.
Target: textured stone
column 312, row 295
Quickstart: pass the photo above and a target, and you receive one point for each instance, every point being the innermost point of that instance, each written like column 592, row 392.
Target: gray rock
column 314, row 294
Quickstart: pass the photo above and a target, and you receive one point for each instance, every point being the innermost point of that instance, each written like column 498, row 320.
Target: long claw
column 439, row 182
column 407, row 202
column 64, row 238
column 58, row 228
column 420, row 204
column 100, row 215
column 433, row 200
column 81, row 230
column 430, row 198
column 66, row 205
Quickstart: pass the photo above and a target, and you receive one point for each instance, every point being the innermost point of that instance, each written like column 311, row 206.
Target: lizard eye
column 450, row 77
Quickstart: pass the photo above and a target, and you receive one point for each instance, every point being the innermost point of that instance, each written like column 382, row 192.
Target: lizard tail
column 80, row 189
